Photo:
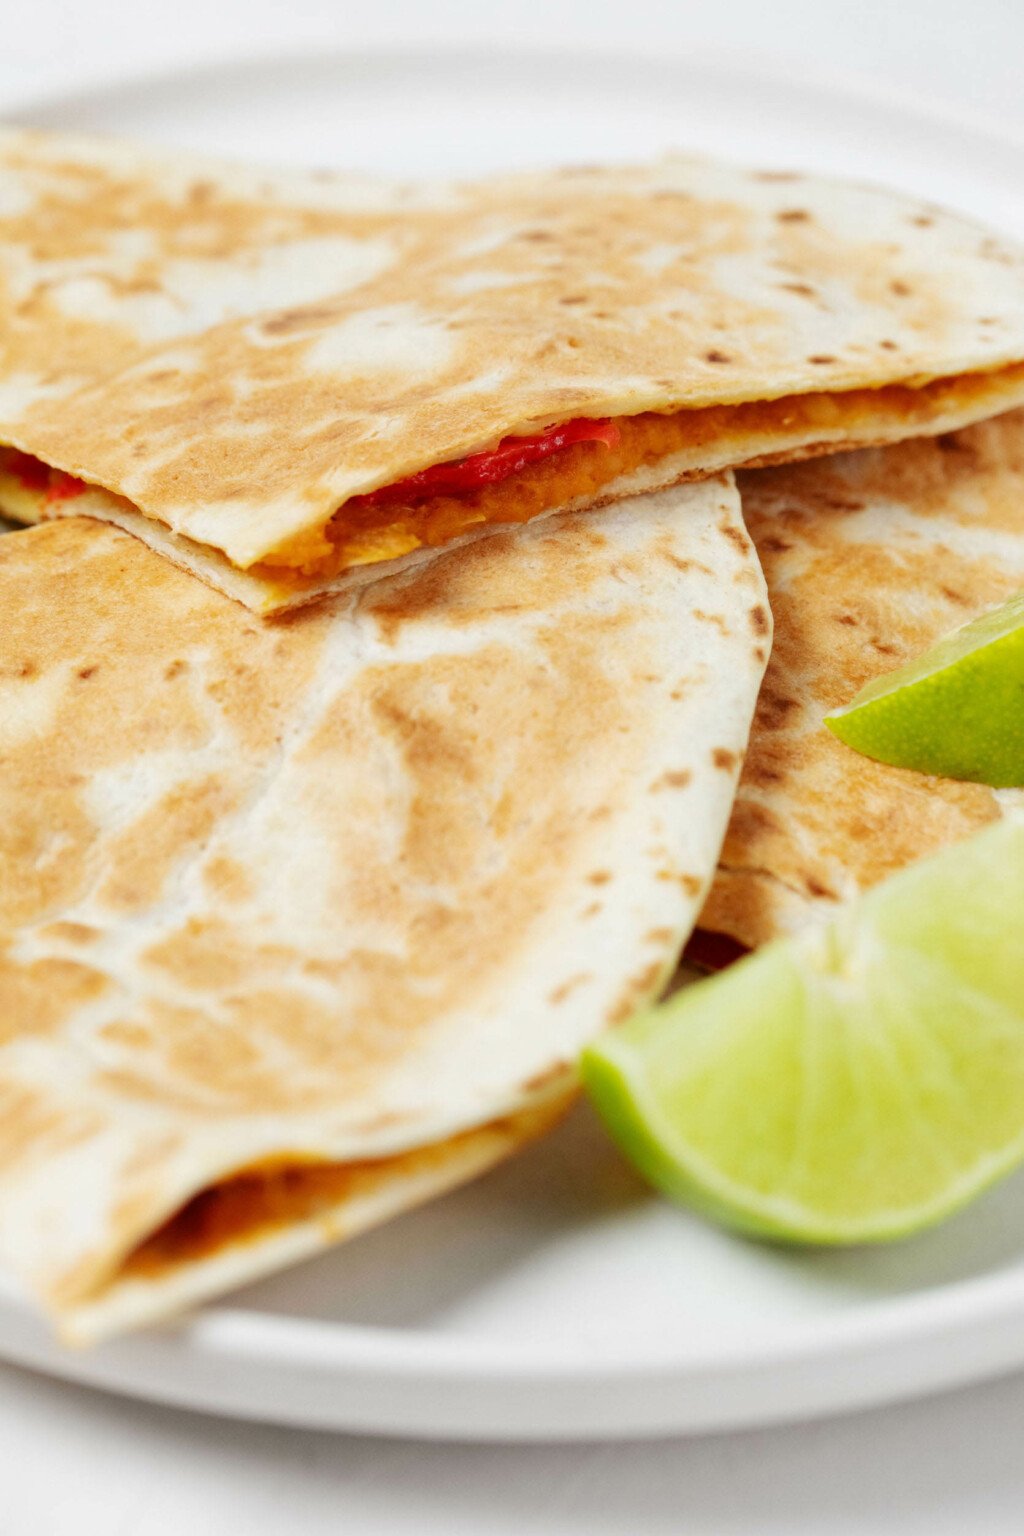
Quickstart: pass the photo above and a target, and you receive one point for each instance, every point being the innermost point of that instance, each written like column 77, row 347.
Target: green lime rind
column 851, row 1085
column 957, row 711
column 988, row 629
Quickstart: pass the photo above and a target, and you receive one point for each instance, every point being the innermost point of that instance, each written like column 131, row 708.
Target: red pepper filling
column 63, row 487
column 511, row 455
column 34, row 475
column 488, row 468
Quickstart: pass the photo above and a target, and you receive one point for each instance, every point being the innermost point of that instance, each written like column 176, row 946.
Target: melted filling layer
column 258, row 1202
column 367, row 529
column 383, row 525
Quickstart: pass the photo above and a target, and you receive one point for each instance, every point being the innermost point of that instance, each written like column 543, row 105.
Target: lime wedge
column 958, row 710
column 853, row 1083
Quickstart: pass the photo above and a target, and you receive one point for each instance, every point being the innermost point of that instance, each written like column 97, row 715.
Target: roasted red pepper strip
column 34, row 475
column 31, row 473
column 63, row 487
column 511, row 455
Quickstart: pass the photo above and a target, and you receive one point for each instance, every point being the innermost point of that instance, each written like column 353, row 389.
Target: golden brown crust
column 869, row 559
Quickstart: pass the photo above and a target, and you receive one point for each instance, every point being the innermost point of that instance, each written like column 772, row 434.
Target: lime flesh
column 853, row 1083
column 957, row 711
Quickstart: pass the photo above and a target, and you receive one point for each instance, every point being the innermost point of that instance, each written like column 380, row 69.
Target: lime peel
column 795, row 1105
column 956, row 711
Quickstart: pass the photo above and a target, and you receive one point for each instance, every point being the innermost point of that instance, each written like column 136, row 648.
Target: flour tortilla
column 341, row 886
column 248, row 1226
column 869, row 558
column 175, row 336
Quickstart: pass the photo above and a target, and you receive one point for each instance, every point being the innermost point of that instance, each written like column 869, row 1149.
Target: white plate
column 558, row 1298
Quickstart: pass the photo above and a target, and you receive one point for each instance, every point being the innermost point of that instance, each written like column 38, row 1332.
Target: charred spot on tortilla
column 674, row 778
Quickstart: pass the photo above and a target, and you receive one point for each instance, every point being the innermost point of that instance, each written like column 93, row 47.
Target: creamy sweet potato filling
column 280, row 1193
column 697, row 441
column 243, row 1208
column 363, row 531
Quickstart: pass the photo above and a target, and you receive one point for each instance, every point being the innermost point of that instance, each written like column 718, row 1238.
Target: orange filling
column 367, row 529
column 257, row 1202
column 387, row 523
column 35, row 476
column 245, row 1207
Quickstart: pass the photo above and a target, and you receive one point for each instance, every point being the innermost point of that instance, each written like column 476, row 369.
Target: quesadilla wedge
column 284, row 899
column 492, row 351
column 870, row 558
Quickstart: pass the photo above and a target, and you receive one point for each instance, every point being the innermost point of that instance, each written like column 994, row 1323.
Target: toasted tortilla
column 339, row 887
column 870, row 558
column 165, row 345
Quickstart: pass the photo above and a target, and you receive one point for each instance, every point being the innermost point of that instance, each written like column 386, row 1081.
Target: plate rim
column 851, row 86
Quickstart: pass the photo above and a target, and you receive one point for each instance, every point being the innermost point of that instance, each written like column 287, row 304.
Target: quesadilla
column 870, row 558
column 489, row 351
column 303, row 919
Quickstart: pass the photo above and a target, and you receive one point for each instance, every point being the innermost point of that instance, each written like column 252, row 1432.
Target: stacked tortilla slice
column 870, row 558
column 304, row 918
column 248, row 373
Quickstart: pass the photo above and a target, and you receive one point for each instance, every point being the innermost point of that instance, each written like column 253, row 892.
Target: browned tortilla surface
column 869, row 558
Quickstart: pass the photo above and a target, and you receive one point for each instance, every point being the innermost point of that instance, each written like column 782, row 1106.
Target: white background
column 75, row 1462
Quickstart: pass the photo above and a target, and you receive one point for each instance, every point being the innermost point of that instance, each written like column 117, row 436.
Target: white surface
column 78, row 1461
